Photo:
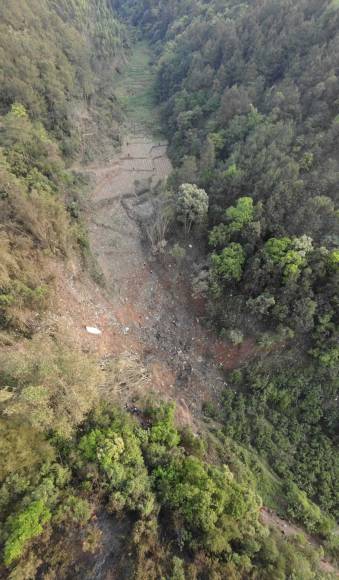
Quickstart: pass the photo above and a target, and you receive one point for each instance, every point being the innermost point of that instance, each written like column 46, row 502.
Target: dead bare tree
column 158, row 229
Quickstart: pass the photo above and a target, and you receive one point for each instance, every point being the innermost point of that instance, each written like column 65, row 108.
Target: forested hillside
column 49, row 68
column 55, row 61
column 249, row 97
column 249, row 94
column 51, row 56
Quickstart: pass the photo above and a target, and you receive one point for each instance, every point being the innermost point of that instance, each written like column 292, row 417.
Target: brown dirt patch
column 229, row 356
column 127, row 314
column 162, row 378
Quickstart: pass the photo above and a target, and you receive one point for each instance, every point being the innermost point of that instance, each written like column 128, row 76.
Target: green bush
column 23, row 527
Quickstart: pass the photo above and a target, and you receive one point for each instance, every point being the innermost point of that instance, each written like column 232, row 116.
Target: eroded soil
column 149, row 308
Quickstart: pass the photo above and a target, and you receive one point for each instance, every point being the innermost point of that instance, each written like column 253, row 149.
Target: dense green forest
column 56, row 60
column 250, row 104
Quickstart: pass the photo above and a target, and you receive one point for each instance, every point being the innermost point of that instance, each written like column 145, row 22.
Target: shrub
column 191, row 205
column 24, row 527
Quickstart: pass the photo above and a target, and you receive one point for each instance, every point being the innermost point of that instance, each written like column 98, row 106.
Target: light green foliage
column 300, row 508
column 333, row 259
column 191, row 205
column 293, row 558
column 27, row 504
column 241, row 214
column 134, row 88
column 328, row 357
column 228, row 265
column 18, row 111
column 116, row 451
column 332, row 545
column 178, row 572
column 219, row 236
column 289, row 254
column 163, row 430
column 231, row 171
column 277, row 249
column 218, row 139
column 24, row 527
column 106, row 447
column 238, row 217
column 307, row 161
column 207, row 498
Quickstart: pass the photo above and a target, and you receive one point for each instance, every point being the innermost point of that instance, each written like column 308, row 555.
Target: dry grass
column 50, row 384
column 124, row 374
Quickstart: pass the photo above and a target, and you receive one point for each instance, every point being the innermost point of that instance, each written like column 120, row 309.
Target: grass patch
column 135, row 90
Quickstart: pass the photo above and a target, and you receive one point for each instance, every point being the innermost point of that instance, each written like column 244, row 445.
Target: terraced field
column 135, row 91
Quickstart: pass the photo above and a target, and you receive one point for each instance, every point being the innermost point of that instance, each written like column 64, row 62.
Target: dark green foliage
column 49, row 54
column 290, row 416
column 202, row 509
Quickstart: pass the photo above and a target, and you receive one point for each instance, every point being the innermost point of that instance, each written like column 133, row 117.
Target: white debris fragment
column 93, row 330
column 126, row 330
column 190, row 246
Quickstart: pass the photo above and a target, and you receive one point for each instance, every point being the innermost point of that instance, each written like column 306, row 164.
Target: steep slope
column 249, row 93
column 86, row 490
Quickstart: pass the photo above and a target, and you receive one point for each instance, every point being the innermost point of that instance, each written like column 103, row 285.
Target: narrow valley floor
column 149, row 302
column 148, row 310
